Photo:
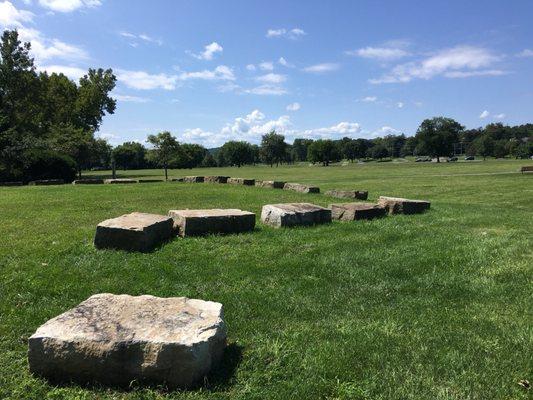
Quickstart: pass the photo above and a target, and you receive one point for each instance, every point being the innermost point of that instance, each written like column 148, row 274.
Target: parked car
column 470, row 158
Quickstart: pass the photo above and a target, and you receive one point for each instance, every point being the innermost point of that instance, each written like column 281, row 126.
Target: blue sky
column 213, row 71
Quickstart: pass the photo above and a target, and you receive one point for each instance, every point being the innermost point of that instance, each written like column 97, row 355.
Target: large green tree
column 273, row 148
column 165, row 149
column 436, row 136
column 129, row 155
column 236, row 153
column 323, row 151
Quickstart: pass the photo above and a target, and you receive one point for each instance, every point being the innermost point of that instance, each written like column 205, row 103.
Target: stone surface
column 270, row 184
column 120, row 180
column 45, row 182
column 241, row 181
column 193, row 179
column 294, row 214
column 178, row 180
column 151, row 180
column 116, row 339
column 11, row 183
column 216, row 179
column 298, row 187
column 348, row 194
column 356, row 211
column 133, row 232
column 202, row 222
column 90, row 181
column 397, row 205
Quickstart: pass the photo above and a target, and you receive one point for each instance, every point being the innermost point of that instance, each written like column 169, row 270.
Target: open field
column 431, row 306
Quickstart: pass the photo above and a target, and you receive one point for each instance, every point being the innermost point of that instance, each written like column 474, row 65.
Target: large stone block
column 298, row 187
column 117, row 339
column 348, row 194
column 241, row 181
column 356, row 211
column 216, row 179
column 119, row 181
column 203, row 222
column 133, row 232
column 193, row 179
column 88, row 181
column 46, row 182
column 270, row 184
column 294, row 214
column 397, row 205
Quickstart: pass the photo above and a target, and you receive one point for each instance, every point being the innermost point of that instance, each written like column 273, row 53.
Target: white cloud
column 68, row 5
column 222, row 72
column 293, row 107
column 399, row 104
column 266, row 66
column 285, row 63
column 369, row 99
column 209, row 51
column 383, row 131
column 250, row 67
column 341, row 129
column 293, row 34
column 484, row 114
column 525, row 53
column 145, row 81
column 142, row 36
column 321, row 68
column 379, row 53
column 271, row 78
column 10, row 16
column 253, row 125
column 457, row 62
column 500, row 116
column 267, row 90
column 130, row 99
column 74, row 73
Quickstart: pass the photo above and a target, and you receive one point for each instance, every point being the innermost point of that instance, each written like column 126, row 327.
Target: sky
column 213, row 71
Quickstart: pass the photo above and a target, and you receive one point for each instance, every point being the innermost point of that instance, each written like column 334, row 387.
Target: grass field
column 431, row 306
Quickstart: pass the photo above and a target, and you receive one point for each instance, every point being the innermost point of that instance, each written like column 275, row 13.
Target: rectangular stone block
column 397, row 205
column 216, row 179
column 133, row 232
column 214, row 221
column 193, row 179
column 119, row 181
column 178, row 179
column 356, row 211
column 270, row 184
column 348, row 194
column 151, row 180
column 294, row 214
column 116, row 339
column 88, row 181
column 241, row 181
column 298, row 187
column 46, row 182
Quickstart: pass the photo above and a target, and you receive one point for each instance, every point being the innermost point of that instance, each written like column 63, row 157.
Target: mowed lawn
column 431, row 306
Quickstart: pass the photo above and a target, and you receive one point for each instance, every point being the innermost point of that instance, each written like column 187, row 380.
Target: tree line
column 48, row 124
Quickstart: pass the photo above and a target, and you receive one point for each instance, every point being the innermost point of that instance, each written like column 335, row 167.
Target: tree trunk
column 166, row 173
column 438, row 159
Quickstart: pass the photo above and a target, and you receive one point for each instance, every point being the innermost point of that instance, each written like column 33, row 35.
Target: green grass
column 431, row 306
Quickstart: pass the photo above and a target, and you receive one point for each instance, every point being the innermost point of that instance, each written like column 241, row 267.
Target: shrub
column 47, row 164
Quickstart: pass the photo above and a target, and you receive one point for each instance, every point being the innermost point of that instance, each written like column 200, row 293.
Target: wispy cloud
column 293, row 107
column 141, row 37
column 321, row 68
column 68, row 5
column 267, row 90
column 379, row 53
column 484, row 114
column 209, row 51
column 10, row 16
column 285, row 63
column 525, row 53
column 294, row 33
column 271, row 78
column 74, row 73
column 369, row 99
column 130, row 99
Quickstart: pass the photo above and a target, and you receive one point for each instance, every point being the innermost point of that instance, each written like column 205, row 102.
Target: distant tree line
column 48, row 124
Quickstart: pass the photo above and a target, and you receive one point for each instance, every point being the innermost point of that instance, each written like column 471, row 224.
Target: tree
column 323, row 151
column 237, row 153
column 379, row 151
column 436, row 136
column 129, row 155
column 354, row 149
column 273, row 148
column 165, row 149
column 209, row 161
column 189, row 155
column 74, row 142
column 409, row 147
column 484, row 146
column 299, row 149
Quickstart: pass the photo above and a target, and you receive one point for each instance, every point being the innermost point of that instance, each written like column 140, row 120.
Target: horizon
column 210, row 72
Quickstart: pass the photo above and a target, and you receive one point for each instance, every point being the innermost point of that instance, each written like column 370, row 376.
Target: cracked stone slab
column 212, row 221
column 398, row 205
column 270, row 184
column 216, row 179
column 241, row 181
column 133, row 232
column 294, row 214
column 348, row 194
column 117, row 339
column 89, row 181
column 356, row 211
column 298, row 187
column 119, row 181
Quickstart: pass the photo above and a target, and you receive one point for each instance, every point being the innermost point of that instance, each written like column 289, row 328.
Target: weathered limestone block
column 348, row 194
column 356, row 211
column 202, row 222
column 120, row 180
column 294, row 214
column 270, row 184
column 241, row 181
column 178, row 179
column 46, row 182
column 133, row 232
column 397, row 205
column 193, row 179
column 298, row 187
column 216, row 179
column 116, row 339
column 88, row 181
